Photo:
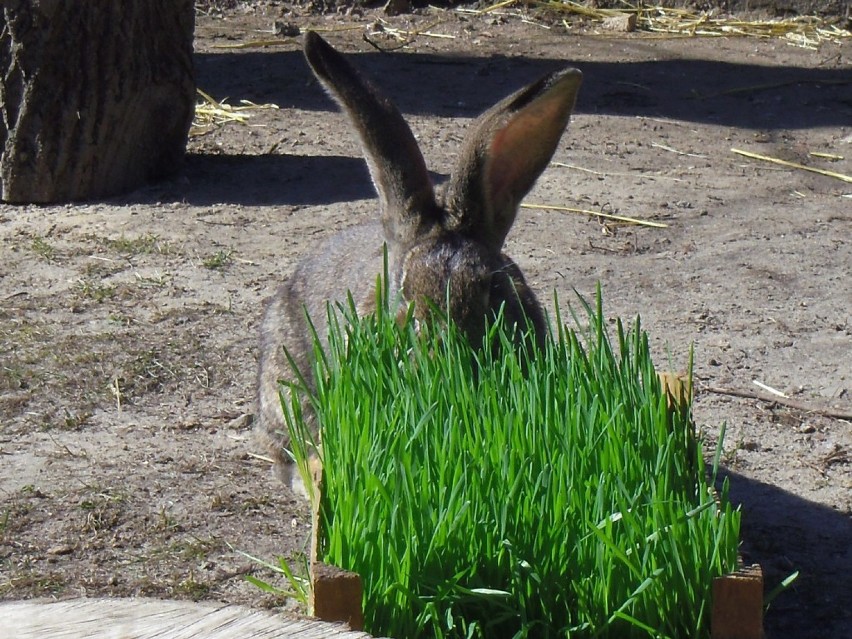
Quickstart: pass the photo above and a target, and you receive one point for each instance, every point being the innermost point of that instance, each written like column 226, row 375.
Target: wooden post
column 738, row 597
column 678, row 390
column 336, row 594
column 738, row 605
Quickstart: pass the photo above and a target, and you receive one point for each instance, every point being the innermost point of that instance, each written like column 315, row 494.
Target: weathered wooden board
column 155, row 619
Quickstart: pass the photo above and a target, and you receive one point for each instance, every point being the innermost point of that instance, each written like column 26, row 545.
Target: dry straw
column 210, row 113
column 792, row 165
column 600, row 214
column 803, row 31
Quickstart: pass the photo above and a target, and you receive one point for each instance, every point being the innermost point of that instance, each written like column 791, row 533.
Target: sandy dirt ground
column 128, row 328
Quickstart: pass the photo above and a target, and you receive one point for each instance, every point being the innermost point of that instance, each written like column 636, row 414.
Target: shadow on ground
column 739, row 95
column 822, row 553
column 276, row 180
column 750, row 96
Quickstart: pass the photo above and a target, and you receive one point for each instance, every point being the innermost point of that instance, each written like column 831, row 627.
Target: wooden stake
column 737, row 597
column 738, row 605
column 336, row 594
column 678, row 389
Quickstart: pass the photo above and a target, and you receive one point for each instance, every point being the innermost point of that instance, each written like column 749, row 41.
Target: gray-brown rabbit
column 444, row 248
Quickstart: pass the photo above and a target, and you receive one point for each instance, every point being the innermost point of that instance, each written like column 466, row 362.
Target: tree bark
column 96, row 96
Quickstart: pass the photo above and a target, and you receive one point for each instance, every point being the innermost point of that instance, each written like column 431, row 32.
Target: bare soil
column 128, row 327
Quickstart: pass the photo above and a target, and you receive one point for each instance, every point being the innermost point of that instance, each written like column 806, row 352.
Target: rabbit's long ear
column 508, row 148
column 396, row 164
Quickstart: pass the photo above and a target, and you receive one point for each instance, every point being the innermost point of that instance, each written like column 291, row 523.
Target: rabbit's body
column 441, row 251
column 323, row 277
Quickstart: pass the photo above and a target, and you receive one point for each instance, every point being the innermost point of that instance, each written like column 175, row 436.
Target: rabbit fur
column 445, row 248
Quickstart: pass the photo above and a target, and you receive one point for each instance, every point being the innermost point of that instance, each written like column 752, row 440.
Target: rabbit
column 445, row 248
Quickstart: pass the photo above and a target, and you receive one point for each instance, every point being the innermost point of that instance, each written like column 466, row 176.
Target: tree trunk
column 96, row 96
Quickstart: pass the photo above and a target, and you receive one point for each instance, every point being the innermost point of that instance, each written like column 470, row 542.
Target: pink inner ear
column 522, row 148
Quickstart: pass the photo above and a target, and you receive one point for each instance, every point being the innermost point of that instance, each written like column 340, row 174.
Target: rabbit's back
column 347, row 262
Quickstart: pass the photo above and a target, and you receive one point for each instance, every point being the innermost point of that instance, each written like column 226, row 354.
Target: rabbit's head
column 445, row 249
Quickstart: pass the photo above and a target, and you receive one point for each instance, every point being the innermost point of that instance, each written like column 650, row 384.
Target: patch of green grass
column 485, row 493
column 139, row 372
column 255, row 503
column 298, row 584
column 150, row 370
column 42, row 248
column 76, row 419
column 219, row 260
column 18, row 507
column 141, row 245
column 166, row 522
column 101, row 269
column 13, row 377
column 156, row 280
column 19, row 329
column 96, row 291
column 191, row 588
column 104, row 510
column 27, row 582
column 239, row 504
column 121, row 319
column 191, row 548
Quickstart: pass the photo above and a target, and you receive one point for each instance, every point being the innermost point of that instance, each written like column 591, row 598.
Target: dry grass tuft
column 803, row 31
column 211, row 114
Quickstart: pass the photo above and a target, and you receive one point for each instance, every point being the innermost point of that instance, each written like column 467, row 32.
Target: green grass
column 92, row 290
column 42, row 248
column 484, row 493
column 141, row 245
column 219, row 260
